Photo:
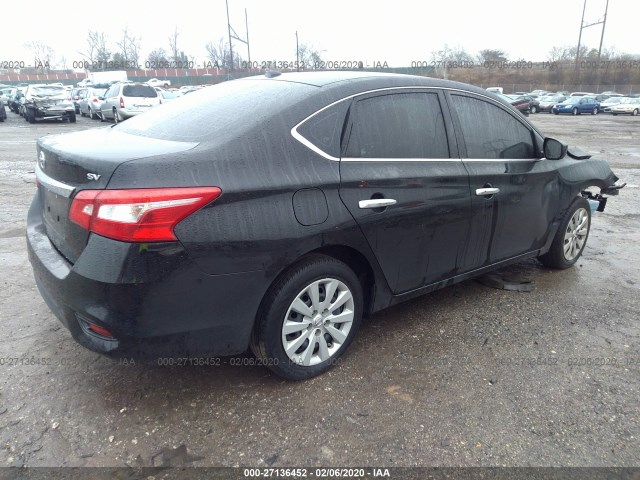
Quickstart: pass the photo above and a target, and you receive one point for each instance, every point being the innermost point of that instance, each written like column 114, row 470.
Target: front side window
column 401, row 125
column 490, row 132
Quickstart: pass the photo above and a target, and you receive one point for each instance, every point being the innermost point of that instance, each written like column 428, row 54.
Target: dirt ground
column 466, row 376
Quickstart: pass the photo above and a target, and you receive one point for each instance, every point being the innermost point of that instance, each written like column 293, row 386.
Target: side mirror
column 554, row 149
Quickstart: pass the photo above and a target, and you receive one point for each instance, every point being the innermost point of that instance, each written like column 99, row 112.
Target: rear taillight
column 138, row 215
column 121, row 102
column 94, row 100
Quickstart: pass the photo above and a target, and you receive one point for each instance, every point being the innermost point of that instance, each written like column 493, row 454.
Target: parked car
column 76, row 95
column 6, row 94
column 534, row 103
column 124, row 100
column 258, row 213
column 166, row 95
column 563, row 92
column 47, row 102
column 519, row 102
column 91, row 103
column 580, row 94
column 547, row 103
column 189, row 88
column 577, row 105
column 610, row 102
column 154, row 82
column 630, row 106
column 15, row 101
column 612, row 94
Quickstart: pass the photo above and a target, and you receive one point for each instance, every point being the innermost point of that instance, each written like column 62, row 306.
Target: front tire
column 571, row 237
column 308, row 318
column 575, row 111
column 635, row 113
column 534, row 109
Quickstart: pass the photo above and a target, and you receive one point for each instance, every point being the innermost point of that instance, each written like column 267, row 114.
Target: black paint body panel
column 280, row 202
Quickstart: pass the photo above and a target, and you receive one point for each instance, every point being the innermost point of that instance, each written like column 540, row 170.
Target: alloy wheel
column 317, row 322
column 576, row 234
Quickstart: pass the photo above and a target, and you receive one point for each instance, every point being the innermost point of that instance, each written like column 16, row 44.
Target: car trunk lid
column 69, row 163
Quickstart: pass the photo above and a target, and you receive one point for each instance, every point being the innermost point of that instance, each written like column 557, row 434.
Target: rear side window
column 325, row 128
column 139, row 91
column 402, row 125
column 490, row 132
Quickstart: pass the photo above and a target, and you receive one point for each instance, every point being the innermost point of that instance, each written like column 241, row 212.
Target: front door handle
column 377, row 203
column 481, row 192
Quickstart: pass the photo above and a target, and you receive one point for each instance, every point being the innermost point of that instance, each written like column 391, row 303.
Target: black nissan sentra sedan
column 273, row 212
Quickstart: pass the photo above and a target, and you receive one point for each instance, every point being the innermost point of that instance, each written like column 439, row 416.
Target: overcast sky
column 396, row 31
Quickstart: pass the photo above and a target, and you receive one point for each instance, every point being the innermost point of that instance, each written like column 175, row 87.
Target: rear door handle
column 377, row 203
column 481, row 192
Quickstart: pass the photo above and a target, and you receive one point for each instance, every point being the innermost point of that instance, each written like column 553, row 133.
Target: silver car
column 91, row 103
column 124, row 100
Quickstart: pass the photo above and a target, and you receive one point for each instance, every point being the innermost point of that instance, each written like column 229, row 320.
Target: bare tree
column 492, row 55
column 309, row 57
column 158, row 58
column 42, row 55
column 102, row 53
column 219, row 55
column 447, row 57
column 174, row 51
column 129, row 49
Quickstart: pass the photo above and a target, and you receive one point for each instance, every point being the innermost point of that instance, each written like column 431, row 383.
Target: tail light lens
column 138, row 215
column 121, row 102
column 94, row 100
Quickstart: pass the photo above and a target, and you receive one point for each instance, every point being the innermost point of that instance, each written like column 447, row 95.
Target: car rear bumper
column 152, row 298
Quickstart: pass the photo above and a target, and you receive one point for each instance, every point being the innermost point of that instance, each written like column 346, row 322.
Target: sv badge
column 93, row 176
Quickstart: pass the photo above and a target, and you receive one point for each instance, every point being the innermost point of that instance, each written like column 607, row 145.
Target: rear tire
column 30, row 115
column 92, row 114
column 298, row 334
column 571, row 237
column 635, row 113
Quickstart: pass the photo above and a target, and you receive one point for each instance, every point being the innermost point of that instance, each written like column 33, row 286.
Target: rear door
column 403, row 184
column 514, row 192
column 111, row 99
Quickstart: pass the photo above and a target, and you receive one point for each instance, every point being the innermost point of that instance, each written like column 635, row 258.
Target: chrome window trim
column 500, row 160
column 295, row 134
column 53, row 185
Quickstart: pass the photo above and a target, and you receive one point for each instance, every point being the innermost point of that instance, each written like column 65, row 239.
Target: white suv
column 124, row 100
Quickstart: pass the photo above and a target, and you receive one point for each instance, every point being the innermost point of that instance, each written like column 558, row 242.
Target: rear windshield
column 224, row 108
column 47, row 90
column 96, row 92
column 139, row 91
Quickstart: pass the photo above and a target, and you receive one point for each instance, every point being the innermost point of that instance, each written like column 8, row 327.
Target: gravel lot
column 466, row 376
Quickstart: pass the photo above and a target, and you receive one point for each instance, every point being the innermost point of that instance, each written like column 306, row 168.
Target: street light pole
column 297, row 54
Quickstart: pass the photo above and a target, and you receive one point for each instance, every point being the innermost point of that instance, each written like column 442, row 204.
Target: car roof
column 365, row 80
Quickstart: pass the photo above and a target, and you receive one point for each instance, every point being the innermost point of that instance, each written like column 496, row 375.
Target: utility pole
column 583, row 26
column 229, row 31
column 604, row 24
column 246, row 26
column 236, row 37
column 580, row 35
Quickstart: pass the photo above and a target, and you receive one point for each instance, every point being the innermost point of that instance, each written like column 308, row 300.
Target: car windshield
column 224, row 109
column 169, row 95
column 572, row 100
column 139, row 91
